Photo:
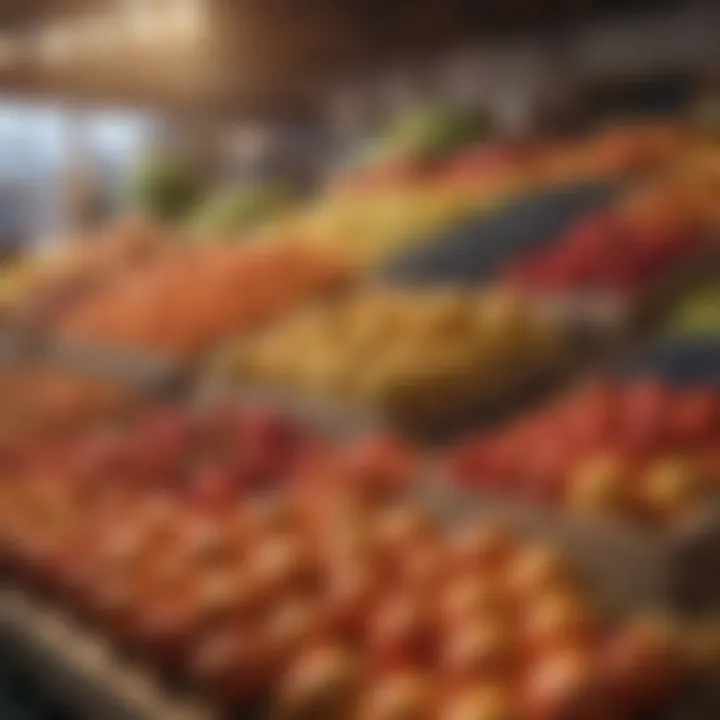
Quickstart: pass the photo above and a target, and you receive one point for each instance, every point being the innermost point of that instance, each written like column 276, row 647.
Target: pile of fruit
column 45, row 283
column 39, row 400
column 239, row 553
column 186, row 303
column 387, row 207
column 610, row 152
column 408, row 352
column 660, row 225
column 642, row 452
column 327, row 601
column 210, row 456
column 369, row 226
column 603, row 253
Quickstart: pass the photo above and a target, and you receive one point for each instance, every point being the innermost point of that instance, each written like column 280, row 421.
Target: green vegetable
column 427, row 135
column 239, row 209
column 697, row 314
column 166, row 185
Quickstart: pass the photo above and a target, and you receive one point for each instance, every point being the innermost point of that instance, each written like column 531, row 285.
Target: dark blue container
column 479, row 247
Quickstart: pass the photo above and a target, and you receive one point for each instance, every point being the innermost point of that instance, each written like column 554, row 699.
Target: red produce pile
column 645, row 452
column 336, row 607
column 606, row 253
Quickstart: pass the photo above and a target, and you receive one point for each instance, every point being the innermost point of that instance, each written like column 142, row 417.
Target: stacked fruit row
column 39, row 400
column 609, row 152
column 332, row 601
column 206, row 456
column 388, row 207
column 659, row 226
column 51, row 280
column 644, row 452
column 407, row 352
column 195, row 297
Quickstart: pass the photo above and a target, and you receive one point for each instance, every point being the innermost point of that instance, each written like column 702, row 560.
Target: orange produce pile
column 42, row 287
column 36, row 400
column 191, row 300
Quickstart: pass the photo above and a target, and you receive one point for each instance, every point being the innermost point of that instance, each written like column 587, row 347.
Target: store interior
column 359, row 360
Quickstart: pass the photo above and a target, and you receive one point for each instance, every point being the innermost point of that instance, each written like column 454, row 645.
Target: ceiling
column 19, row 13
column 277, row 53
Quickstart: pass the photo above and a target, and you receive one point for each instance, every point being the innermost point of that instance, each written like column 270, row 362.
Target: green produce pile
column 166, row 186
column 425, row 135
column 239, row 209
column 698, row 313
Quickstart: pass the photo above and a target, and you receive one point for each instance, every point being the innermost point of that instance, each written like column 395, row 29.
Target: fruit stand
column 209, row 501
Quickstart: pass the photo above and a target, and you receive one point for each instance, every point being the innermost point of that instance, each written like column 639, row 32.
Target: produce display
column 642, row 452
column 408, row 353
column 195, row 297
column 386, row 208
column 663, row 224
column 258, row 561
column 602, row 253
column 323, row 601
column 609, row 152
column 479, row 248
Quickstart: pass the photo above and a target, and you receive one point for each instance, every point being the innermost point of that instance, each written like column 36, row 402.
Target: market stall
column 433, row 439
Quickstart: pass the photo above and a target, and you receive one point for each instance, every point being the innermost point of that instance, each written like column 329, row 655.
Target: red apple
column 203, row 540
column 291, row 626
column 473, row 597
column 540, row 568
column 398, row 696
column 282, row 564
column 351, row 594
column 672, row 488
column 323, row 682
column 268, row 514
column 212, row 486
column 380, row 465
column 404, row 526
column 694, row 417
column 480, row 650
column 401, row 633
column 229, row 594
column 481, row 703
column 559, row 620
column 483, row 548
column 567, row 686
column 267, row 431
column 231, row 666
column 600, row 486
column 646, row 409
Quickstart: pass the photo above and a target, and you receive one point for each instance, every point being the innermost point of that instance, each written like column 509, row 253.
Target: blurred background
column 239, row 236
